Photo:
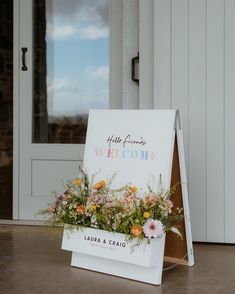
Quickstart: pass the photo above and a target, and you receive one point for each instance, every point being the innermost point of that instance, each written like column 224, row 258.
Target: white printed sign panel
column 114, row 246
column 137, row 145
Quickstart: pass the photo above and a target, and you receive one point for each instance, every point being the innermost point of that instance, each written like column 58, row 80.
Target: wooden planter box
column 113, row 253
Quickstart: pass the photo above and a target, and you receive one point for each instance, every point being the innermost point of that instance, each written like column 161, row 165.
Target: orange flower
column 136, row 230
column 148, row 200
column 133, row 189
column 99, row 185
column 78, row 182
column 146, row 214
column 80, row 209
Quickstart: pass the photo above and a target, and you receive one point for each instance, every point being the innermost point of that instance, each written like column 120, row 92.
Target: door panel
column 41, row 184
column 41, row 166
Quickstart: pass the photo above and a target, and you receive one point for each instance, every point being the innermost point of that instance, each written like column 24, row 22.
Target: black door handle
column 24, row 67
column 134, row 60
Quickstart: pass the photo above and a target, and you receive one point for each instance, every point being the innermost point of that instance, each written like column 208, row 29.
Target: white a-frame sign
column 138, row 145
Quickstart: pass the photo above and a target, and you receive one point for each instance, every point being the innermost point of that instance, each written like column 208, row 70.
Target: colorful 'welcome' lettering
column 116, row 153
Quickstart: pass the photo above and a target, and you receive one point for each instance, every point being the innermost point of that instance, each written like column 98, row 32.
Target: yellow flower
column 78, row 182
column 99, row 185
column 146, row 214
column 93, row 208
column 133, row 189
column 136, row 230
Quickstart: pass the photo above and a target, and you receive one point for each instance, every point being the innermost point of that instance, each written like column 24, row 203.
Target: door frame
column 16, row 61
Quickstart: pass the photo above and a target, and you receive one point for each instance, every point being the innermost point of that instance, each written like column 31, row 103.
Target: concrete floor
column 31, row 261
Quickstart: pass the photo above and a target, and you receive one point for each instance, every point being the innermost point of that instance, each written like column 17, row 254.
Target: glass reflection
column 71, row 68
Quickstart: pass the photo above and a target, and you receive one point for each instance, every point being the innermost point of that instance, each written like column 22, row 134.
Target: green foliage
column 123, row 210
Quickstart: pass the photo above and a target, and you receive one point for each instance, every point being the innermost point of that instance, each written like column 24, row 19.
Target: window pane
column 71, row 67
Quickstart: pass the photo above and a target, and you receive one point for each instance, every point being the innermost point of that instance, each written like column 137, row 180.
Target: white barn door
column 194, row 72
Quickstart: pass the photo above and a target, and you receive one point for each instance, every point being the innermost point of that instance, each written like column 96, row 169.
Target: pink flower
column 169, row 203
column 114, row 226
column 51, row 209
column 153, row 228
column 151, row 198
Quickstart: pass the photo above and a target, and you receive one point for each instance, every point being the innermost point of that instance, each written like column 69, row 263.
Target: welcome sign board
column 139, row 147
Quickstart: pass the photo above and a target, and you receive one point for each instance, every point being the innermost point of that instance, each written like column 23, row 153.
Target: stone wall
column 6, row 107
column 6, row 78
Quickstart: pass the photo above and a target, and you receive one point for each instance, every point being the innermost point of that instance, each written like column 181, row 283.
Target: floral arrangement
column 126, row 210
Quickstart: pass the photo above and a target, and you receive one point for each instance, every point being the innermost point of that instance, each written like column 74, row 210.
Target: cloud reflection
column 85, row 19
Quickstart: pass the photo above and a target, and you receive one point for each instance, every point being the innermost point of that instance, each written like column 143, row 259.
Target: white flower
column 93, row 219
column 153, row 228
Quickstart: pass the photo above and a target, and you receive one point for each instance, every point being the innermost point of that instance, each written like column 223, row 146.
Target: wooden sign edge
column 176, row 250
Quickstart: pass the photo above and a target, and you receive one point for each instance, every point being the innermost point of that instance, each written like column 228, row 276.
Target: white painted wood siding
column 229, row 120
column 124, row 44
column 130, row 39
column 194, row 57
column 146, row 49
